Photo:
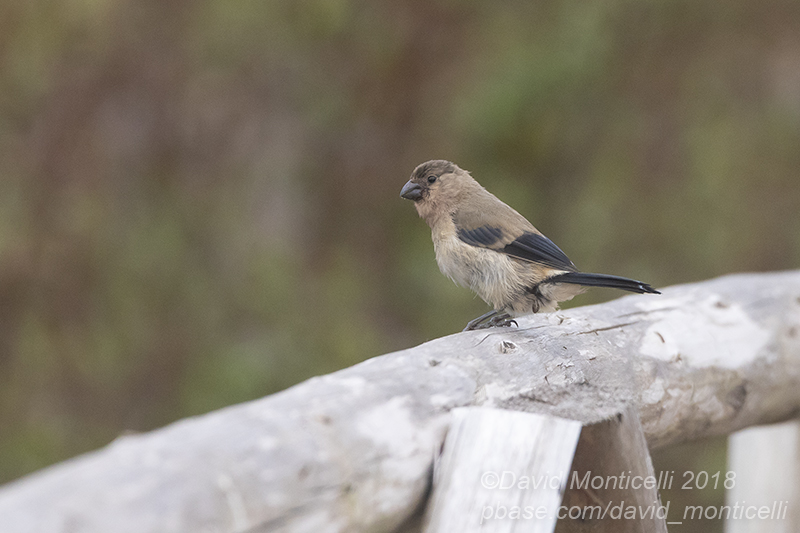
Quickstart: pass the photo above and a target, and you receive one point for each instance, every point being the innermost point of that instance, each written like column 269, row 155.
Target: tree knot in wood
column 507, row 346
column 737, row 396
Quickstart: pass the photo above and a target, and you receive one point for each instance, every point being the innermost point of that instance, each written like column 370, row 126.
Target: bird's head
column 436, row 187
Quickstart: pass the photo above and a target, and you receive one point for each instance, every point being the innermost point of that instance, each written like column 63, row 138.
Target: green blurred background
column 199, row 201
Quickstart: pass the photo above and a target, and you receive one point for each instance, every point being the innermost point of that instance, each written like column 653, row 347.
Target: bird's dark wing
column 510, row 233
column 537, row 248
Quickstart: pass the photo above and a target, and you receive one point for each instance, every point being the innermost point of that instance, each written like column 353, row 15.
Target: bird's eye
column 431, row 178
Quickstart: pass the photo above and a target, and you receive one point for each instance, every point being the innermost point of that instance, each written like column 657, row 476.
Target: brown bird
column 483, row 244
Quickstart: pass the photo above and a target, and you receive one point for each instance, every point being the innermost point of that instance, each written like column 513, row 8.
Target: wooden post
column 501, row 471
column 763, row 477
column 613, row 481
column 506, row 472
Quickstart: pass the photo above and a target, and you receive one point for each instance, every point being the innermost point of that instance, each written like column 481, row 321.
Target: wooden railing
column 439, row 437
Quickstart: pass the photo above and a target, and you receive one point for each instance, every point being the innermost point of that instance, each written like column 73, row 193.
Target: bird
column 485, row 245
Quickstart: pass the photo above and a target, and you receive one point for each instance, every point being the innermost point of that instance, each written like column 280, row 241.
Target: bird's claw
column 502, row 322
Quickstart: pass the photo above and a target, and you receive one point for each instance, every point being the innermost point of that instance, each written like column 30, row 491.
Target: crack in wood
column 615, row 326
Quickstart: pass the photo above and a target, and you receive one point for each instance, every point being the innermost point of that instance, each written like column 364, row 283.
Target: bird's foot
column 502, row 321
column 492, row 319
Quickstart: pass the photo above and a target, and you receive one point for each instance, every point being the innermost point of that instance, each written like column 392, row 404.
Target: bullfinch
column 484, row 244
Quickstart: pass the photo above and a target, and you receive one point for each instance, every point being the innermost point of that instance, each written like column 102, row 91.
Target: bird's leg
column 489, row 320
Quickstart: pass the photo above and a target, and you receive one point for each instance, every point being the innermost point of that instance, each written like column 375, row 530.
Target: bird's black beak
column 411, row 191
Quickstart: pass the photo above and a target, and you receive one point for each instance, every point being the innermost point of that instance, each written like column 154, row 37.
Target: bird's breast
column 494, row 276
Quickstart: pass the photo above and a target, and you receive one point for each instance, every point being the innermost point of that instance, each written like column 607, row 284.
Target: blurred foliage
column 199, row 200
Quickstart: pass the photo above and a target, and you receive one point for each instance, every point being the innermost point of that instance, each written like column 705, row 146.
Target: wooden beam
column 352, row 451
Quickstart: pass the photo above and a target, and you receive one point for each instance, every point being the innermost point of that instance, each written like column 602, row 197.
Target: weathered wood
column 612, row 487
column 352, row 451
column 501, row 472
column 763, row 476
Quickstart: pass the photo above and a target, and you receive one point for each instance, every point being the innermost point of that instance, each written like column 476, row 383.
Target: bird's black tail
column 603, row 280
